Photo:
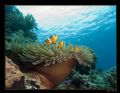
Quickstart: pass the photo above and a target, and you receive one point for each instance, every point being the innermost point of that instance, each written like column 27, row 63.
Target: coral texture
column 15, row 79
column 13, row 73
column 96, row 79
column 34, row 80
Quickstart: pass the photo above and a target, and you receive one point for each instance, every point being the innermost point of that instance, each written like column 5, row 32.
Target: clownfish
column 60, row 45
column 52, row 39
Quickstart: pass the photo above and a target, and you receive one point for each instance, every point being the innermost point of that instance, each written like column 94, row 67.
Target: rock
column 34, row 80
column 14, row 78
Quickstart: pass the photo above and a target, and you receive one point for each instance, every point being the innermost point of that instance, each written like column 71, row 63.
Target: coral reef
column 16, row 37
column 37, row 66
column 13, row 74
column 15, row 21
column 15, row 79
column 19, row 28
column 95, row 80
column 47, row 73
column 110, row 76
column 34, row 80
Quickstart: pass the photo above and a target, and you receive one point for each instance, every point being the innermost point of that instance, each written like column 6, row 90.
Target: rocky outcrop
column 14, row 78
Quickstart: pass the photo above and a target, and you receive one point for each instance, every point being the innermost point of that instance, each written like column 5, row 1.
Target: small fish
column 60, row 45
column 47, row 42
column 52, row 39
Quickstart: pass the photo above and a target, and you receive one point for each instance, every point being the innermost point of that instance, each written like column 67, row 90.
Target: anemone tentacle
column 38, row 54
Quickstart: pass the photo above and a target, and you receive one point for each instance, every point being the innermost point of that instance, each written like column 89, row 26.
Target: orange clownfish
column 60, row 45
column 52, row 39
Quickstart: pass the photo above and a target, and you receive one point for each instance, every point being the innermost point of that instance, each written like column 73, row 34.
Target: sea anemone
column 86, row 56
column 52, row 62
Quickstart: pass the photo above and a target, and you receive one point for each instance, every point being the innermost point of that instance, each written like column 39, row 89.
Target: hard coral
column 110, row 76
column 96, row 79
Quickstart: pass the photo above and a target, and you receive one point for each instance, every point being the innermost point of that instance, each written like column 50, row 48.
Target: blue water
column 94, row 26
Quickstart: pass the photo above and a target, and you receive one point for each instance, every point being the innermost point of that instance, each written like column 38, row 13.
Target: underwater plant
column 51, row 61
